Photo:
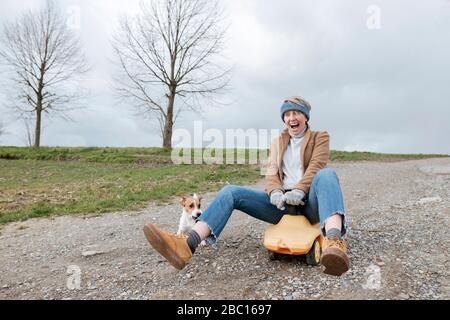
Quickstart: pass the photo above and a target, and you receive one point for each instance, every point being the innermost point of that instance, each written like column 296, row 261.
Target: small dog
column 191, row 211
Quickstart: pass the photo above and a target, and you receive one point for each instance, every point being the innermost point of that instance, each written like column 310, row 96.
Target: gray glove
column 277, row 199
column 294, row 197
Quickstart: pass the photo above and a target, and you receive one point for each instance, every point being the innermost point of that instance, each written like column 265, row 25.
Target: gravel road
column 398, row 245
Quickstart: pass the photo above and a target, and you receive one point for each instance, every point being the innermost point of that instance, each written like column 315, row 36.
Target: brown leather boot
column 334, row 256
column 171, row 246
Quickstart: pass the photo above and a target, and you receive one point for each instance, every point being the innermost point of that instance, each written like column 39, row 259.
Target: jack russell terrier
column 191, row 211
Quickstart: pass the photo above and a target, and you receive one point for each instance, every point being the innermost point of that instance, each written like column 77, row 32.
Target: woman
column 296, row 176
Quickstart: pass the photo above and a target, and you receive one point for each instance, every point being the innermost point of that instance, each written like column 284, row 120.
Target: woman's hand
column 294, row 197
column 277, row 199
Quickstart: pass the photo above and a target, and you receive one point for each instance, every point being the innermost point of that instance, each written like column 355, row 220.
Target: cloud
column 379, row 90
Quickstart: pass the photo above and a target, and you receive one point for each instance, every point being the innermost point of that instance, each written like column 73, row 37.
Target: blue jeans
column 323, row 200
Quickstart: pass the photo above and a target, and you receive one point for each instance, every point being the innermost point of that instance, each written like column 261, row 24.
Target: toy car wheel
column 274, row 255
column 314, row 254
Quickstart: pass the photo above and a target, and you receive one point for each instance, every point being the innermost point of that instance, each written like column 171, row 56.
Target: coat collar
column 285, row 137
column 284, row 141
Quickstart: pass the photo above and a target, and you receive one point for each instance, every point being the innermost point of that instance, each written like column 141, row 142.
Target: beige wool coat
column 314, row 151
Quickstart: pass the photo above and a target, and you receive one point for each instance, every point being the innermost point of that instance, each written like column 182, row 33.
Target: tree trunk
column 168, row 125
column 39, row 105
column 37, row 130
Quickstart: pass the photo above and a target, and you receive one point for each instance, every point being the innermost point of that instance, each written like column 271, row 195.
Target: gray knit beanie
column 295, row 103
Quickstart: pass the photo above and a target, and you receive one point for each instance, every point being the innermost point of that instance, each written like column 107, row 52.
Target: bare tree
column 45, row 58
column 171, row 50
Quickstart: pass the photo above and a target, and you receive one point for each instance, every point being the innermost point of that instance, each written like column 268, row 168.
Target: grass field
column 54, row 181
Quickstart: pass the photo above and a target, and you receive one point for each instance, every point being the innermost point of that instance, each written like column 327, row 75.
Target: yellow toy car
column 294, row 235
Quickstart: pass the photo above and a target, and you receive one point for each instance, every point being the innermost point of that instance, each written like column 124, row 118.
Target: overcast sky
column 377, row 74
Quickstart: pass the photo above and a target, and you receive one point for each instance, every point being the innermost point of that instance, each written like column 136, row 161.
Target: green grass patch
column 89, row 154
column 43, row 188
column 163, row 156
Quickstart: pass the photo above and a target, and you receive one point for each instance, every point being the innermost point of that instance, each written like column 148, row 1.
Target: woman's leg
column 325, row 202
column 253, row 202
column 178, row 250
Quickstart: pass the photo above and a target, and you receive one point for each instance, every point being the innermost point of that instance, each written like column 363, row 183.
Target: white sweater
column 292, row 163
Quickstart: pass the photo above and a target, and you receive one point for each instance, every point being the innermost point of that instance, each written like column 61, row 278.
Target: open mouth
column 294, row 126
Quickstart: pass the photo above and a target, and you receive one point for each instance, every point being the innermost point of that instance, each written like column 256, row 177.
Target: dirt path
column 398, row 212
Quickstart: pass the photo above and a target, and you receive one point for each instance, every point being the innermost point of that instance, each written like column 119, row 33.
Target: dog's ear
column 182, row 200
column 200, row 198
